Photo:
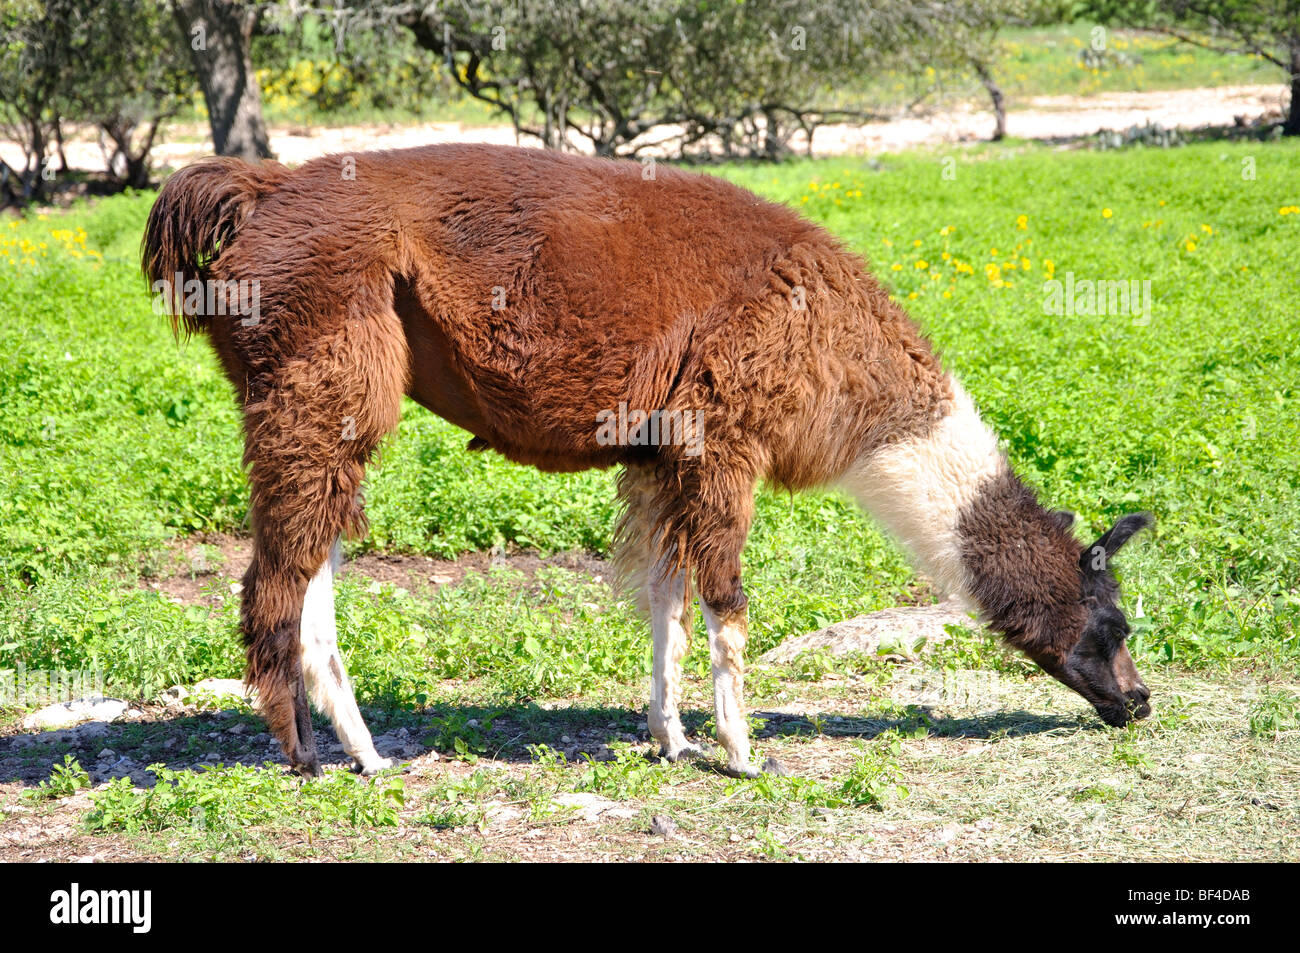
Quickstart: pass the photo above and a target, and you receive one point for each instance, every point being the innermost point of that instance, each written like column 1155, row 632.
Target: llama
column 526, row 295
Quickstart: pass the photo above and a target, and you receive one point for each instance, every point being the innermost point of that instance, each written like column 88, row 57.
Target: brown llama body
column 532, row 298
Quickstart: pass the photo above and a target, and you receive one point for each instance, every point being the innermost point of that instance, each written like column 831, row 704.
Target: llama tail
column 196, row 214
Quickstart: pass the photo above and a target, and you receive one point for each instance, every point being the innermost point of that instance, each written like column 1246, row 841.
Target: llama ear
column 1064, row 519
column 1096, row 556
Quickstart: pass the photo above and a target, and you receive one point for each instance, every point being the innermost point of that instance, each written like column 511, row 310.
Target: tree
column 130, row 78
column 37, row 43
column 1269, row 29
column 739, row 76
column 219, row 34
column 113, row 64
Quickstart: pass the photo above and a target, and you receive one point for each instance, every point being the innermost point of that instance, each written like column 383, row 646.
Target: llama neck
column 920, row 488
column 950, row 497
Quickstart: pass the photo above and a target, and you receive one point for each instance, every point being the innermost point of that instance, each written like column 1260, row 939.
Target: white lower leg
column 668, row 597
column 727, row 652
column 327, row 680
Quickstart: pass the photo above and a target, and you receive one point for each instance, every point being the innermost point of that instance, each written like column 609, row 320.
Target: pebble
column 108, row 754
column 662, row 826
column 91, row 730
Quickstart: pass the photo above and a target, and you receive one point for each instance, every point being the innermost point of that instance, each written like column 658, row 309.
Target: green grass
column 1060, row 60
column 115, row 440
column 1048, row 61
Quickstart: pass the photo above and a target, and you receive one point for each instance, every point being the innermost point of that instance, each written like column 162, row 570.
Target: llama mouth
column 1119, row 715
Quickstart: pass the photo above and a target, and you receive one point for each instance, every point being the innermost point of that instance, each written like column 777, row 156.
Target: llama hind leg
column 308, row 437
column 709, row 508
column 326, row 679
column 727, row 634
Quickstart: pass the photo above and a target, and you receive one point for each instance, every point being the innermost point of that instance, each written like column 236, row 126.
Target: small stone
column 238, row 729
column 565, row 739
column 91, row 730
column 662, row 826
column 108, row 754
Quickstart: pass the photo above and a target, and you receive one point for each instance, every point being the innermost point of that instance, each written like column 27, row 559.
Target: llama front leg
column 669, row 595
column 326, row 679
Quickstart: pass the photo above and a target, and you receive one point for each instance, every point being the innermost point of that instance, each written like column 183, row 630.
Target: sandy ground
column 1043, row 117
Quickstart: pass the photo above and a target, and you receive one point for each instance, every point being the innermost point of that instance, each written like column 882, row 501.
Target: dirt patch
column 199, row 570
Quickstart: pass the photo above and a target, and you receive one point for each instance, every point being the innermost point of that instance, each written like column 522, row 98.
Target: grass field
column 120, row 485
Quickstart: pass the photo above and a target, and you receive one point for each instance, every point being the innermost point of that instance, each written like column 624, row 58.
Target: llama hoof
column 309, row 769
column 749, row 771
column 746, row 772
column 684, row 753
column 372, row 766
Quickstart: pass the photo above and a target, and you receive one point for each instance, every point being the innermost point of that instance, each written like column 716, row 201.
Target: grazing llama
column 530, row 298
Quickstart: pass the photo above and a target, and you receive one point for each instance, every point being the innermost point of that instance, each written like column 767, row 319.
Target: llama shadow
column 995, row 725
column 511, row 732
column 196, row 740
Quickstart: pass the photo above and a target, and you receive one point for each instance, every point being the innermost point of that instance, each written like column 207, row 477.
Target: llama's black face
column 1099, row 666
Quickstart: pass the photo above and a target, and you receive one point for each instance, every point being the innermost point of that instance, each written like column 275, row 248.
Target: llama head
column 1093, row 659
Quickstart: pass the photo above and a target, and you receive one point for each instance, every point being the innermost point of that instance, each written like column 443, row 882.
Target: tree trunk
column 1292, row 125
column 995, row 94
column 219, row 33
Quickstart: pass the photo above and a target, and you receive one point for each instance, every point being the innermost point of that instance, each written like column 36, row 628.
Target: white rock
column 66, row 714
column 224, row 688
column 593, row 807
column 896, row 631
